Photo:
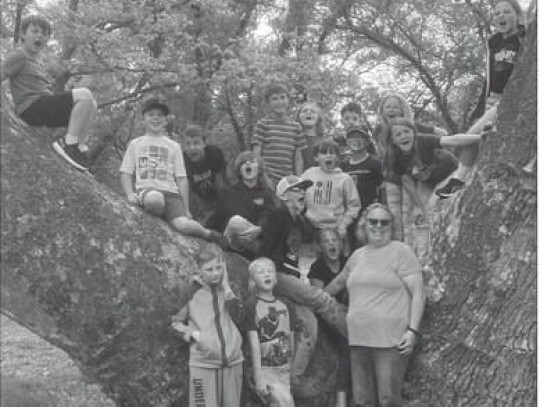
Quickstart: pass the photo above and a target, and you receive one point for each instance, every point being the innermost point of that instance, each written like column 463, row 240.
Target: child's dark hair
column 194, row 131
column 38, row 21
column 326, row 146
column 352, row 107
column 274, row 88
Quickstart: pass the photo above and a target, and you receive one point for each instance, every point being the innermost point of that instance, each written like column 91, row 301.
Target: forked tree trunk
column 100, row 280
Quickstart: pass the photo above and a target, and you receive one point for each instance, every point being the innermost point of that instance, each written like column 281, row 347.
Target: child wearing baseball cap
column 153, row 175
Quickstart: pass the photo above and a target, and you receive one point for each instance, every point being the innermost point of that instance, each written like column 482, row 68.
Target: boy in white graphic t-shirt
column 154, row 163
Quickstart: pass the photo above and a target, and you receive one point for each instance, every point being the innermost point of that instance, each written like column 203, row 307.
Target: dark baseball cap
column 357, row 131
column 155, row 102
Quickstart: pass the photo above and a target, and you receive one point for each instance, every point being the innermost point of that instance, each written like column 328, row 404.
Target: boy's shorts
column 50, row 110
column 174, row 205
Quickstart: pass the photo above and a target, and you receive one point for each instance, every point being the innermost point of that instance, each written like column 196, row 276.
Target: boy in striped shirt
column 278, row 140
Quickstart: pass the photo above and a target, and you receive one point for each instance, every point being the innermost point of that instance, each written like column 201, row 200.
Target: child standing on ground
column 37, row 105
column 277, row 139
column 332, row 201
column 215, row 352
column 155, row 164
column 270, row 333
column 365, row 170
column 205, row 168
column 503, row 49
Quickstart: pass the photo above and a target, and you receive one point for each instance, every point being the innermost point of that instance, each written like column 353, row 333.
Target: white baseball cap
column 291, row 182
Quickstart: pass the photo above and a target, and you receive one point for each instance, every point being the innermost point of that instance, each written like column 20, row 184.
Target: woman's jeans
column 377, row 376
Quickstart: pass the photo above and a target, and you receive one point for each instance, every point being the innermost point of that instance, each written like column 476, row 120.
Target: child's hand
column 133, row 199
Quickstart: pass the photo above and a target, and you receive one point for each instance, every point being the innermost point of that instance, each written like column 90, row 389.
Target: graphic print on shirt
column 152, row 163
column 273, row 326
column 504, row 60
column 204, row 182
column 323, row 192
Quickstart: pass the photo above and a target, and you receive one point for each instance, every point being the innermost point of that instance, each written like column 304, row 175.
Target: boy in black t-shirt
column 205, row 168
column 365, row 170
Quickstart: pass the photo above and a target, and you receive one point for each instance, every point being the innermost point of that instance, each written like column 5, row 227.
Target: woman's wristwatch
column 415, row 332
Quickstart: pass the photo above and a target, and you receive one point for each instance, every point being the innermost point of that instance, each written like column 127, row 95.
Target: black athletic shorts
column 50, row 110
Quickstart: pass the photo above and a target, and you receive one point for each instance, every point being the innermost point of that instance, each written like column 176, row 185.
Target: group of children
column 296, row 188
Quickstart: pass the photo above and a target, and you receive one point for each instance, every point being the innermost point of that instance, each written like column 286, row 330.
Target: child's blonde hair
column 405, row 108
column 253, row 267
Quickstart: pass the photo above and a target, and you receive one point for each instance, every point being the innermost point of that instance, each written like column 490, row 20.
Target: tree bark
column 480, row 329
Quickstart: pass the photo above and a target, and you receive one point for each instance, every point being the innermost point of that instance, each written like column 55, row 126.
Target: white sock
column 462, row 172
column 71, row 139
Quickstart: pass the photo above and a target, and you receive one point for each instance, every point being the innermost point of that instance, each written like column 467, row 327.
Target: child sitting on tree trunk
column 156, row 164
column 37, row 105
column 503, row 49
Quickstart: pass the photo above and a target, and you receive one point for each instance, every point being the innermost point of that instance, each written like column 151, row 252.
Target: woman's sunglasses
column 376, row 221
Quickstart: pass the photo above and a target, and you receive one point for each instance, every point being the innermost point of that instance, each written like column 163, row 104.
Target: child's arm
column 410, row 186
column 183, row 188
column 352, row 206
column 339, row 282
column 255, row 347
column 298, row 161
column 14, row 63
column 126, row 182
column 461, row 139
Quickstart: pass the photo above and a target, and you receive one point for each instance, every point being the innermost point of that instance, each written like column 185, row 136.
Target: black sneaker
column 450, row 188
column 72, row 154
column 221, row 240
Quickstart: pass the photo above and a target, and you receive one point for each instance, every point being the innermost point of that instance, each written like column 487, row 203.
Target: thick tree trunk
column 480, row 343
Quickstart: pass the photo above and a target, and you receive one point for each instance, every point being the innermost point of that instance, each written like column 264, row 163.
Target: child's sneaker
column 450, row 188
column 72, row 154
column 221, row 240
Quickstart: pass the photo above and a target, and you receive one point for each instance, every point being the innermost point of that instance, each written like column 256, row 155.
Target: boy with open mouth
column 37, row 105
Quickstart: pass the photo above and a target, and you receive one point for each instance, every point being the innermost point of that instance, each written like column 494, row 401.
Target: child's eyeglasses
column 375, row 222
